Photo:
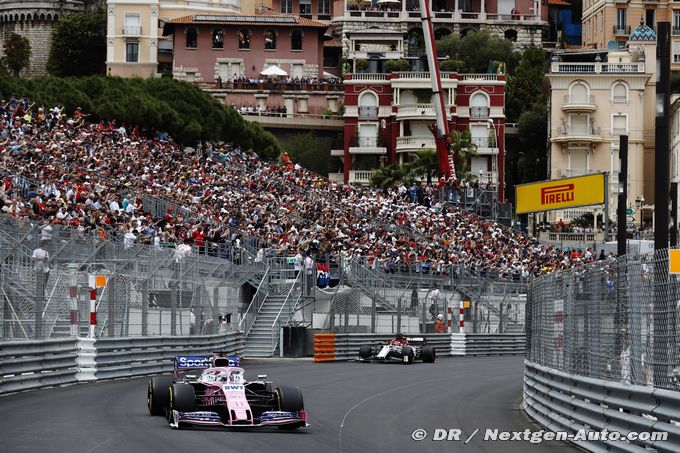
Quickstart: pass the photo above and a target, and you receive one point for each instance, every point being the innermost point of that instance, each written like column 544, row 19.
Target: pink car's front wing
column 270, row 418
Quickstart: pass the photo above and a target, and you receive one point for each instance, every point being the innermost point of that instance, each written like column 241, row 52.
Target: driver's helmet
column 223, row 376
column 440, row 316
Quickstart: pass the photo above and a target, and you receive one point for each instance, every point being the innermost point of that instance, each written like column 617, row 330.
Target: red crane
column 440, row 130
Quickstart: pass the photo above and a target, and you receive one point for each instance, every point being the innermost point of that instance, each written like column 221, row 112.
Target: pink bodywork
column 228, row 384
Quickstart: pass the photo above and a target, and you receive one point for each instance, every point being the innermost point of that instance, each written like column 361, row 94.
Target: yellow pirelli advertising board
column 560, row 193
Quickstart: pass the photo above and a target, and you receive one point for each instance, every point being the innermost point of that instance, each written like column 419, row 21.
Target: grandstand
column 113, row 185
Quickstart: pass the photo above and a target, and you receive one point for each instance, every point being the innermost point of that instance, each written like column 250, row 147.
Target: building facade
column 231, row 55
column 595, row 97
column 135, row 46
column 387, row 117
column 609, row 20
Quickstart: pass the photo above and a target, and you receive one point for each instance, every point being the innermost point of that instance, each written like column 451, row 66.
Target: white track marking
column 342, row 424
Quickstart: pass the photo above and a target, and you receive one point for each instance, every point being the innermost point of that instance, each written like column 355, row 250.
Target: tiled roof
column 642, row 33
column 235, row 19
column 332, row 43
column 558, row 3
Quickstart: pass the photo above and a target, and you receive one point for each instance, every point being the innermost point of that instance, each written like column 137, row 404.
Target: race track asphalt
column 353, row 407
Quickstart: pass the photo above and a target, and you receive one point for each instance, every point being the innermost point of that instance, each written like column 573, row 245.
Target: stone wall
column 34, row 20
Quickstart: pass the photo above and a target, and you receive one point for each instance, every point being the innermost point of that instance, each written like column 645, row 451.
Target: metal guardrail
column 28, row 365
column 334, row 347
column 347, row 345
column 487, row 344
column 566, row 402
column 125, row 357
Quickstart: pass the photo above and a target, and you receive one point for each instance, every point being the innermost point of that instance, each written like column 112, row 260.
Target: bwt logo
column 557, row 194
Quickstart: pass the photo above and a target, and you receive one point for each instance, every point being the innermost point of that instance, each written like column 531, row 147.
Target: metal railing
column 477, row 112
column 368, row 142
column 150, row 289
column 248, row 317
column 132, row 30
column 582, row 409
column 289, row 307
column 368, row 111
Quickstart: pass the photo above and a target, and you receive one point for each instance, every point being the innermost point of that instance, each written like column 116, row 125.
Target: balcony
column 413, row 144
column 363, row 77
column 132, row 30
column 480, row 77
column 579, row 103
column 513, row 17
column 368, row 145
column 675, row 31
column 391, row 15
column 368, row 112
column 355, row 177
column 360, row 176
column 419, row 112
column 621, row 30
column 584, row 135
column 486, row 146
column 478, row 112
column 597, row 68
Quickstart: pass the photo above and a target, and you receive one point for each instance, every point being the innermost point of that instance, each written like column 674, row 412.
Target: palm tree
column 463, row 149
column 389, row 176
column 425, row 162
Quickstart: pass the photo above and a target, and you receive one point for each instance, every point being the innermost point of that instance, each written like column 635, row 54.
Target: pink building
column 227, row 55
column 208, row 47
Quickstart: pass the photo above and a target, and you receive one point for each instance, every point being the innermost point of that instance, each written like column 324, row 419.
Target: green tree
column 187, row 113
column 477, row 49
column 533, row 138
column 386, row 177
column 463, row 150
column 311, row 151
column 17, row 51
column 425, row 163
column 78, row 45
column 525, row 83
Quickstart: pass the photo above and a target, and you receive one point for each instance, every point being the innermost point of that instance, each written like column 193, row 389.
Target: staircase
column 277, row 298
column 262, row 336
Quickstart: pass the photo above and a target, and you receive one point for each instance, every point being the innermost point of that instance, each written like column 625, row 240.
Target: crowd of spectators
column 259, row 110
column 93, row 176
column 289, row 80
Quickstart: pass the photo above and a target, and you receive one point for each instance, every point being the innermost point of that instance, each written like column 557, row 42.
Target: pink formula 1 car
column 212, row 391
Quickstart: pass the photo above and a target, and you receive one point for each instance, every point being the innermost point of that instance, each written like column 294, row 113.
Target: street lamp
column 639, row 203
column 494, row 151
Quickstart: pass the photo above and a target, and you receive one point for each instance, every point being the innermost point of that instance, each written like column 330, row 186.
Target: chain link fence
column 47, row 278
column 613, row 319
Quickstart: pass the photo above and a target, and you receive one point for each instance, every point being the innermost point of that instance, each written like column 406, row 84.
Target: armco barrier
column 27, row 365
column 346, row 346
column 324, row 347
column 136, row 356
column 487, row 344
column 566, row 402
